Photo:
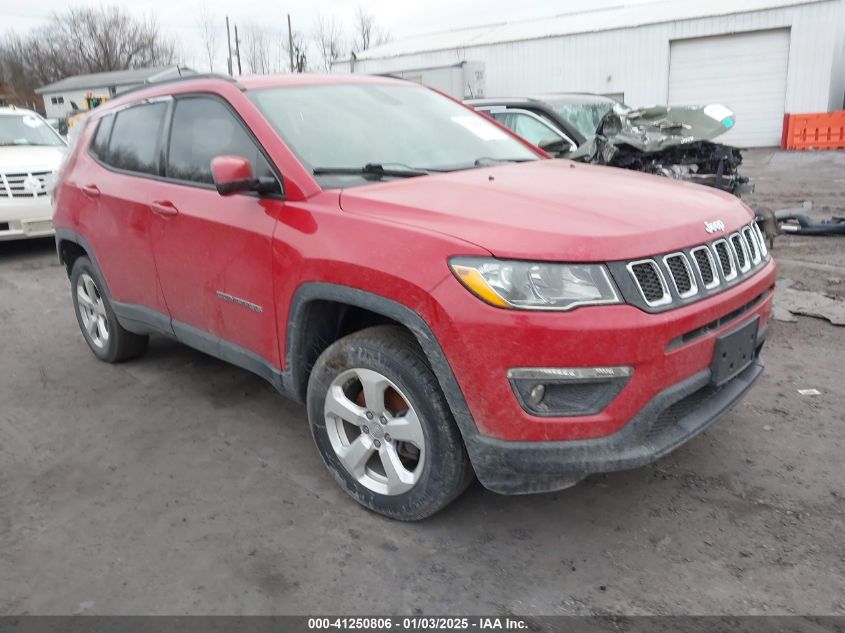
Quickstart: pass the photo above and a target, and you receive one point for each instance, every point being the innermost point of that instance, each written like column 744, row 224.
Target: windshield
column 390, row 126
column 26, row 129
column 584, row 115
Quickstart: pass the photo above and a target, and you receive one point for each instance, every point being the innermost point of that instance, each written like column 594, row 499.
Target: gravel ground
column 177, row 484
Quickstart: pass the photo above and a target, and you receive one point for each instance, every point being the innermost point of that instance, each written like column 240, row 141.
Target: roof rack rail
column 148, row 83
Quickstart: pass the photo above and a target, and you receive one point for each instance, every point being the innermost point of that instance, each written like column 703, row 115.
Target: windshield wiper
column 489, row 160
column 372, row 169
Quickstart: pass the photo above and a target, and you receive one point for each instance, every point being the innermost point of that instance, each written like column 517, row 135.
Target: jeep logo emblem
column 715, row 225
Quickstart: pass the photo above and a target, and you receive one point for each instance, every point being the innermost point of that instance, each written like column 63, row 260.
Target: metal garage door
column 745, row 71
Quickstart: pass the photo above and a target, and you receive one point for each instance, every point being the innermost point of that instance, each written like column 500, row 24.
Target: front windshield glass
column 396, row 126
column 584, row 115
column 26, row 129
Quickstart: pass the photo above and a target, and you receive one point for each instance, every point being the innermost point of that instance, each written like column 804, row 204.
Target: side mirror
column 554, row 144
column 233, row 174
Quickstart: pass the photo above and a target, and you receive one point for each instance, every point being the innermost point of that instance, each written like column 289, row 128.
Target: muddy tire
column 109, row 341
column 383, row 427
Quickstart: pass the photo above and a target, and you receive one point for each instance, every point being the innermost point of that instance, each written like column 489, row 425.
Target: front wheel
column 383, row 427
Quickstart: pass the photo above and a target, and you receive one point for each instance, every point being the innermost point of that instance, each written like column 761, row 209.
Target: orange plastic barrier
column 824, row 130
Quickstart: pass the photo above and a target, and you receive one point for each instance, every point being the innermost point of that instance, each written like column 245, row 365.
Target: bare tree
column 255, row 49
column 300, row 51
column 328, row 36
column 205, row 23
column 366, row 32
column 83, row 40
column 264, row 50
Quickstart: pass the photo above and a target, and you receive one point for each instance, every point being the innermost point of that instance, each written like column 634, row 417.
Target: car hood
column 22, row 158
column 554, row 210
column 656, row 128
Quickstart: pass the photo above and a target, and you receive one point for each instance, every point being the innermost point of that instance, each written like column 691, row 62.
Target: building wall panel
column 635, row 61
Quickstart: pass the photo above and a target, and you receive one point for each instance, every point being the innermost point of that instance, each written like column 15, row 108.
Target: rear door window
column 134, row 144
column 202, row 129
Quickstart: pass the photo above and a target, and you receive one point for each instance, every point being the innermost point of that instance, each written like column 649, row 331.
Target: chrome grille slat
column 706, row 267
column 681, row 273
column 751, row 243
column 649, row 279
column 740, row 252
column 761, row 240
column 724, row 254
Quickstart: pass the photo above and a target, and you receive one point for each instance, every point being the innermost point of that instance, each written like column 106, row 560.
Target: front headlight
column 534, row 285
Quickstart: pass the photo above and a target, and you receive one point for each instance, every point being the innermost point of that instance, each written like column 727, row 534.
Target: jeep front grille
column 673, row 279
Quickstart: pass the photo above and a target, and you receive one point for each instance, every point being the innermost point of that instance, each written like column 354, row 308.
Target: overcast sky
column 400, row 17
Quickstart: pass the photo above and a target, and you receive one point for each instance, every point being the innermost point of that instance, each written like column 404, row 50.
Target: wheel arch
column 70, row 246
column 300, row 351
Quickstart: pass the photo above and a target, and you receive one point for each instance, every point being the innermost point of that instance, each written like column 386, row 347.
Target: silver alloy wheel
column 92, row 310
column 383, row 450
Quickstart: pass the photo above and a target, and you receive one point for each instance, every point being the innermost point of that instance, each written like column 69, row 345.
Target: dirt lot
column 178, row 484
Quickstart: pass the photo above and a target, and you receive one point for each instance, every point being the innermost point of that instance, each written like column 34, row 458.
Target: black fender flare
column 68, row 235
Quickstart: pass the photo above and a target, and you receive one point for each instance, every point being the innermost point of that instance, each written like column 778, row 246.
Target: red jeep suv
column 447, row 301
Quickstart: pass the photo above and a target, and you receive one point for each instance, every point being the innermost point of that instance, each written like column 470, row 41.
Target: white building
column 762, row 58
column 60, row 96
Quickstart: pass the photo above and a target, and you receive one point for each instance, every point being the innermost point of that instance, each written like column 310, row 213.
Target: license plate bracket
column 734, row 352
column 36, row 226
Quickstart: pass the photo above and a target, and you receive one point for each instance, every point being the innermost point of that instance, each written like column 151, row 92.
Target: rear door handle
column 164, row 208
column 92, row 191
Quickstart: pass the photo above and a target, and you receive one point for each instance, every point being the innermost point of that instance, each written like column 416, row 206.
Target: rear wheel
column 109, row 341
column 383, row 426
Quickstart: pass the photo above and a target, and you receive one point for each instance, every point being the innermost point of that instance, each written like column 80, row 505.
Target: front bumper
column 671, row 352
column 24, row 218
column 484, row 343
column 671, row 418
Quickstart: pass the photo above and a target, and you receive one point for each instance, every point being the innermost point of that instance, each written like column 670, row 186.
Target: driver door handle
column 164, row 208
column 92, row 191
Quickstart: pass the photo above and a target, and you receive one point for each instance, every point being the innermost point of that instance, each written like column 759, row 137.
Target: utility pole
column 228, row 46
column 238, row 50
column 290, row 43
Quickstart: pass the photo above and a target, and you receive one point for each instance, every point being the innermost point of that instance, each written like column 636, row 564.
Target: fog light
column 537, row 393
column 567, row 391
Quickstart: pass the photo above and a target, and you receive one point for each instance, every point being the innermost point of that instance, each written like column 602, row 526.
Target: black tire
column 121, row 344
column 393, row 352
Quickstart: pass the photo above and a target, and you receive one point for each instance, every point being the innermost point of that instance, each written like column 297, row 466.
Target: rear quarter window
column 134, row 144
column 100, row 144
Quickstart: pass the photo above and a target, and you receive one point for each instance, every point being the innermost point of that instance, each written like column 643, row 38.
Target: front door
column 214, row 253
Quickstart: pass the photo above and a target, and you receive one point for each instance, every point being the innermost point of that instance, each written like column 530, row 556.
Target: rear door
column 126, row 149
column 214, row 253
